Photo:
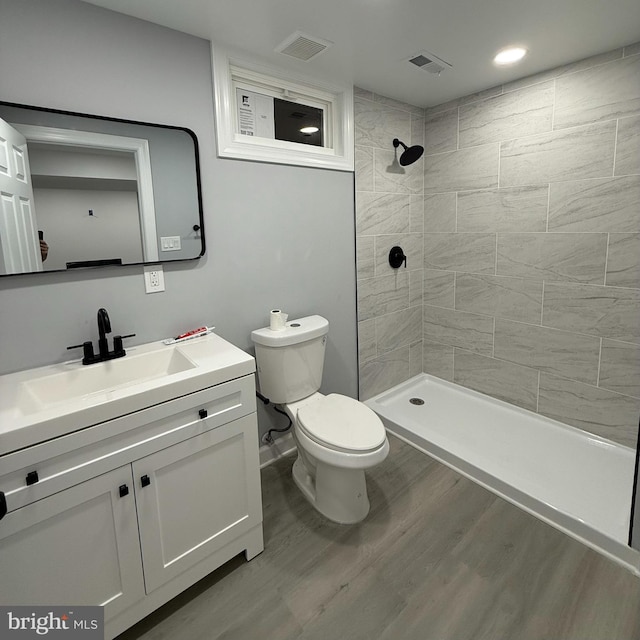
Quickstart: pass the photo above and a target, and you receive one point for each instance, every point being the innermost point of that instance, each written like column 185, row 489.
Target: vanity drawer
column 39, row 471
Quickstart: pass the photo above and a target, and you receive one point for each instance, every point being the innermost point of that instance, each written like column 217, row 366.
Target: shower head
column 410, row 154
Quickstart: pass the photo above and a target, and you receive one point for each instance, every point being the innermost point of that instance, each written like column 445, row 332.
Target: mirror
column 84, row 191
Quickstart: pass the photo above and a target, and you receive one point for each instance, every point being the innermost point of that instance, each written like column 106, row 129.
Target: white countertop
column 24, row 422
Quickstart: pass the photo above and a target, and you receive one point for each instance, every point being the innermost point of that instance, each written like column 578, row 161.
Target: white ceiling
column 374, row 38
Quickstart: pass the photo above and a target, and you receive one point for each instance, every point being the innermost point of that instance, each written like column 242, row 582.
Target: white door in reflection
column 19, row 243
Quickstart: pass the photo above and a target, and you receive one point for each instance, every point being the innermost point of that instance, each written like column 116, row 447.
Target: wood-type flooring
column 437, row 558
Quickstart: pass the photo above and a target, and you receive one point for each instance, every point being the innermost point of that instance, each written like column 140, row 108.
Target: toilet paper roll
column 278, row 320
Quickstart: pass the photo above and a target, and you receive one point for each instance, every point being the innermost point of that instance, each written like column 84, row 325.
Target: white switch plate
column 153, row 278
column 170, row 243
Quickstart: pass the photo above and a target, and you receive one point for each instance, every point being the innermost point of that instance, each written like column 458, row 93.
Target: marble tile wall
column 389, row 212
column 531, row 281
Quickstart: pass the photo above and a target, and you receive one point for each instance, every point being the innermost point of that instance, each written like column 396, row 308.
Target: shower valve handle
column 397, row 258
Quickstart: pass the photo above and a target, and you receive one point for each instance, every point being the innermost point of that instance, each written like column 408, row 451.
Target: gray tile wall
column 522, row 228
column 389, row 212
column 531, row 285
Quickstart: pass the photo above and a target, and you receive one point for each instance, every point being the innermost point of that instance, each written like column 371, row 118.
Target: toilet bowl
column 337, row 437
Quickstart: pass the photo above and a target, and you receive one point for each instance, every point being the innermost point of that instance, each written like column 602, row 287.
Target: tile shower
column 521, row 224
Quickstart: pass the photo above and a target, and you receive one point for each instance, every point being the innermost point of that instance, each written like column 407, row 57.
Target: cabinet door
column 195, row 497
column 76, row 547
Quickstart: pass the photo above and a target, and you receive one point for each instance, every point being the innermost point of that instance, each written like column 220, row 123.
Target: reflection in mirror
column 81, row 191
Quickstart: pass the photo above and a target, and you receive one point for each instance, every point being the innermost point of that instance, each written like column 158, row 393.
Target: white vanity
column 127, row 481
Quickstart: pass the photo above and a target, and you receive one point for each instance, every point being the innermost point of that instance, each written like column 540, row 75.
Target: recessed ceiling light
column 309, row 129
column 509, row 55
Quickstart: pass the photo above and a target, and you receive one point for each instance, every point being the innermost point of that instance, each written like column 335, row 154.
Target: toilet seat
column 342, row 424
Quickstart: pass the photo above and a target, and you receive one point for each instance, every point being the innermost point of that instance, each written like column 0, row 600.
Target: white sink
column 101, row 378
column 59, row 399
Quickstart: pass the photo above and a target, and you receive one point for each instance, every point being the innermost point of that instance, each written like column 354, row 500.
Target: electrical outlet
column 154, row 278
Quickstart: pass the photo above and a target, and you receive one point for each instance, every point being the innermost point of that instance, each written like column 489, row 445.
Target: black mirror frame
column 134, row 122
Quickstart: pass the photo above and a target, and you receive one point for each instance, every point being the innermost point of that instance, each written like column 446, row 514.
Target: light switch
column 170, row 243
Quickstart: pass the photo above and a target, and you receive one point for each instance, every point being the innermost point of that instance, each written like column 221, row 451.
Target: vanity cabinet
column 78, row 546
column 130, row 512
column 196, row 497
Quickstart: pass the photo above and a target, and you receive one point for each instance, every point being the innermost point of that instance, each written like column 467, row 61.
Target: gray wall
column 389, row 212
column 531, row 201
column 277, row 236
column 73, row 235
column 531, row 247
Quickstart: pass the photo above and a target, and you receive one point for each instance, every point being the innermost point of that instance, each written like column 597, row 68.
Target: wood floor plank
column 433, row 534
column 438, row 558
column 358, row 610
column 449, row 603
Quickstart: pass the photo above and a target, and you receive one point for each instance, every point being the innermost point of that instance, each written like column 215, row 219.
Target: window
column 271, row 116
column 278, row 119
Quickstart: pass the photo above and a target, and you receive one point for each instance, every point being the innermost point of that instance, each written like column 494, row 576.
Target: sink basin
column 59, row 399
column 79, row 382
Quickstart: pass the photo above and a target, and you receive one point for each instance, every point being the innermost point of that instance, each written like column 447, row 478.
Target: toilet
column 337, row 437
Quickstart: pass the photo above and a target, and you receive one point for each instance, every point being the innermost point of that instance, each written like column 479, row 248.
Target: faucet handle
column 87, row 352
column 118, row 349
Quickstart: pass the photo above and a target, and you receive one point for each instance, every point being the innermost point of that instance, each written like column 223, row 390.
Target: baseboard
column 280, row 447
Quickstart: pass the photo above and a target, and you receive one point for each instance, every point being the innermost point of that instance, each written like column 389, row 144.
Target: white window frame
column 230, row 72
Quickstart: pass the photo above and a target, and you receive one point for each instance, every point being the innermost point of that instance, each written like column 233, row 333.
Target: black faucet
column 104, row 327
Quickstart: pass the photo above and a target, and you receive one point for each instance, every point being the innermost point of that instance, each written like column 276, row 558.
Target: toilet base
column 338, row 494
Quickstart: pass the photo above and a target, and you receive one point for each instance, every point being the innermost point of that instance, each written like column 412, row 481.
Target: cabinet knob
column 32, row 478
column 203, row 413
column 124, row 490
column 145, row 480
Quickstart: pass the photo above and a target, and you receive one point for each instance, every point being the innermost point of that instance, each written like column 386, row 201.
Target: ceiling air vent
column 429, row 62
column 302, row 46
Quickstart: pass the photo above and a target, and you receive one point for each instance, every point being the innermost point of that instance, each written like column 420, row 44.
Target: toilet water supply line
column 267, row 438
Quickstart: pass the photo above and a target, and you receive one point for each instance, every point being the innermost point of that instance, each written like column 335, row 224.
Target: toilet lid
column 342, row 423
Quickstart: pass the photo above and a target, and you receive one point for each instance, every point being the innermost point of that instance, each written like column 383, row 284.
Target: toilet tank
column 290, row 361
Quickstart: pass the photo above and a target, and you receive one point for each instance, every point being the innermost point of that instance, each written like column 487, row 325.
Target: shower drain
column 416, row 400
